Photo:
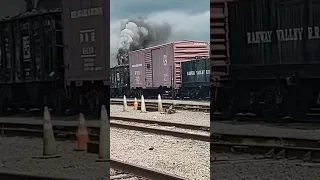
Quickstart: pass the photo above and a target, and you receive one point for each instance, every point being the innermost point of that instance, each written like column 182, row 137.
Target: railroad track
column 309, row 118
column 124, row 170
column 68, row 131
column 137, row 171
column 153, row 106
column 9, row 175
column 267, row 146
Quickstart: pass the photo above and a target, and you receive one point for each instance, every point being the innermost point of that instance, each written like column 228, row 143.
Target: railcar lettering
column 137, row 73
column 165, row 77
column 88, row 60
column 259, row 37
column 87, row 35
column 137, row 78
column 191, row 73
column 197, row 43
column 87, row 50
column 26, row 47
column 86, row 12
column 289, row 34
column 282, row 35
column 136, row 65
column 313, row 33
column 200, row 72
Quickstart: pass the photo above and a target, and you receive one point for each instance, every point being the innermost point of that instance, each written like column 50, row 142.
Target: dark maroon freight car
column 86, row 40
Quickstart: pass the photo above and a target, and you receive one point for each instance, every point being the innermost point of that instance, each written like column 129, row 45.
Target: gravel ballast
column 17, row 154
column 183, row 157
column 264, row 130
column 265, row 170
column 184, row 117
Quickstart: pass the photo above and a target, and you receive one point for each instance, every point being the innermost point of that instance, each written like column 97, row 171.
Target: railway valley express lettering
column 199, row 72
column 282, row 35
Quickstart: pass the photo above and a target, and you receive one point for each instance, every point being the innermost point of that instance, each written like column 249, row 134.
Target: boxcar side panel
column 148, row 68
column 119, row 76
column 276, row 32
column 219, row 40
column 196, row 73
column 31, row 48
column 186, row 51
column 86, row 40
column 162, row 61
column 137, row 69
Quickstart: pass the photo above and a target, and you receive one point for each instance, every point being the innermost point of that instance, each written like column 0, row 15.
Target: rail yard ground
column 181, row 156
column 307, row 131
column 187, row 102
column 185, row 117
column 263, row 169
column 184, row 157
column 263, row 165
column 17, row 154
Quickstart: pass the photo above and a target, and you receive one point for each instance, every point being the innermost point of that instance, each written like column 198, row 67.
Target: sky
column 189, row 19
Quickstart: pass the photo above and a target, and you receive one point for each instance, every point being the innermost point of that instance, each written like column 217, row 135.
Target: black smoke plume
column 138, row 34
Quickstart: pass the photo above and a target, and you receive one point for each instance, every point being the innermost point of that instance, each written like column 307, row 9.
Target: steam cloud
column 138, row 34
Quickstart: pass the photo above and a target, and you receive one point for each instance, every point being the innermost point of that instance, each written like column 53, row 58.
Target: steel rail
column 162, row 132
column 272, row 140
column 67, row 130
column 269, row 151
column 162, row 123
column 143, row 171
column 9, row 175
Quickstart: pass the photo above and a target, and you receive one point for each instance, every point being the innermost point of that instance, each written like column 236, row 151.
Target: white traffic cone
column 160, row 108
column 104, row 140
column 143, row 105
column 49, row 142
column 125, row 105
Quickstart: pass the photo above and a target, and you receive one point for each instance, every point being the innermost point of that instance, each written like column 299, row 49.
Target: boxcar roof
column 161, row 45
column 29, row 14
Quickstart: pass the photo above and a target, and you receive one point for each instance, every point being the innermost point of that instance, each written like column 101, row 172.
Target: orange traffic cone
column 135, row 104
column 82, row 135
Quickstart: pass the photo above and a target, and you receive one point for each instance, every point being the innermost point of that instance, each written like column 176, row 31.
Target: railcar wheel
column 94, row 99
column 58, row 102
column 3, row 106
column 230, row 112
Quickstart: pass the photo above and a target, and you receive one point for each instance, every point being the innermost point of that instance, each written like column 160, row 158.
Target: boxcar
column 157, row 70
column 273, row 55
column 120, row 81
column 196, row 79
column 54, row 58
column 86, row 52
column 31, row 59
